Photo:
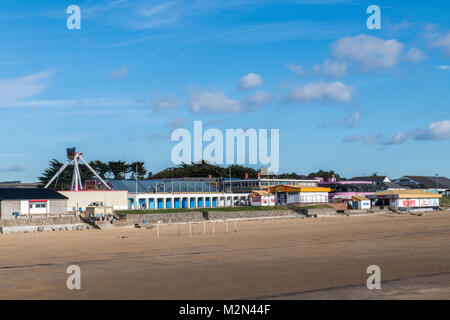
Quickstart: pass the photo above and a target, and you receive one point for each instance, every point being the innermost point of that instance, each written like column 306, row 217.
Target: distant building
column 18, row 184
column 15, row 202
column 431, row 183
column 249, row 185
column 407, row 200
column 176, row 193
column 162, row 185
column 346, row 189
column 299, row 194
column 381, row 182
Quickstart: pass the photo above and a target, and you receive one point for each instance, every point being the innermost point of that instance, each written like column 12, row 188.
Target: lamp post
column 437, row 183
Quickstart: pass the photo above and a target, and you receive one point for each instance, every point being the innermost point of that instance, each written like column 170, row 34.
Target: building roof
column 430, row 182
column 382, row 182
column 162, row 186
column 30, row 194
column 297, row 188
column 406, row 194
column 359, row 198
column 370, row 178
column 392, row 185
column 18, row 184
column 227, row 180
column 260, row 193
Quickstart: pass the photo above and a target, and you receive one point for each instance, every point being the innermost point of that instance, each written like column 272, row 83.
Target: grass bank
column 444, row 202
column 318, row 206
column 249, row 208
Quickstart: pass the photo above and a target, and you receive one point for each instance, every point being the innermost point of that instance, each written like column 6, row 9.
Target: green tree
column 137, row 169
column 119, row 169
column 324, row 174
column 101, row 168
column 292, row 175
column 203, row 169
column 64, row 180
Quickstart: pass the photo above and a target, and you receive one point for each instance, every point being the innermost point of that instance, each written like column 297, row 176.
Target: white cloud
column 154, row 10
column 368, row 52
column 258, row 99
column 415, row 55
column 349, row 122
column 117, row 2
column 399, row 138
column 250, row 81
column 322, row 91
column 14, row 168
column 15, row 90
column 443, row 68
column 118, row 74
column 216, row 101
column 168, row 102
column 439, row 130
column 297, row 69
column 332, row 68
column 441, row 41
column 96, row 102
column 352, row 138
column 175, row 123
column 148, row 17
column 353, row 120
column 158, row 22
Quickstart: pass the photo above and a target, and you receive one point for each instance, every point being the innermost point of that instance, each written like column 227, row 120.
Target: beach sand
column 324, row 258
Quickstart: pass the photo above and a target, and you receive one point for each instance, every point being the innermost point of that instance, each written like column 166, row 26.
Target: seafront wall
column 152, row 218
column 41, row 224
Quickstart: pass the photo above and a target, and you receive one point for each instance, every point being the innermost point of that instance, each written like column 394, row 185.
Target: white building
column 118, row 200
column 15, row 202
column 407, row 200
column 300, row 194
column 175, row 200
column 360, row 203
column 261, row 198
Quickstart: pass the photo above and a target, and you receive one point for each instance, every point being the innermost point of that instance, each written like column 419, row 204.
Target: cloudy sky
column 344, row 97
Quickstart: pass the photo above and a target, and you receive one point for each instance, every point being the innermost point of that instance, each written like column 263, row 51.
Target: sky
column 343, row 97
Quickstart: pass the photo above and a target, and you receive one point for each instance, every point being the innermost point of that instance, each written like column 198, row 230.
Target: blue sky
column 344, row 97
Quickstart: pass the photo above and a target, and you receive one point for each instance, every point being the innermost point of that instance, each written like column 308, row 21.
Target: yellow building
column 300, row 194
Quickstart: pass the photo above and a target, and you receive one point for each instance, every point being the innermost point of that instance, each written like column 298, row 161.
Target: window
column 38, row 205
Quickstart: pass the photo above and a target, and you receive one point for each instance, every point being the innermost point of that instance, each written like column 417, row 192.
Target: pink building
column 346, row 189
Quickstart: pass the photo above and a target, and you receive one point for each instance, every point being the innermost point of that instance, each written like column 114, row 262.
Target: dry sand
column 323, row 258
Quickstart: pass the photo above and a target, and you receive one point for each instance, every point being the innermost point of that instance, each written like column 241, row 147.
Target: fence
column 192, row 228
column 195, row 228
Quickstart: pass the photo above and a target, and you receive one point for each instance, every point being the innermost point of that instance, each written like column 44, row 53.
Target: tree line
column 122, row 170
column 107, row 170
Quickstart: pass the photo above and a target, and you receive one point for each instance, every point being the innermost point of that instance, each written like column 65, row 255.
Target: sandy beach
column 324, row 258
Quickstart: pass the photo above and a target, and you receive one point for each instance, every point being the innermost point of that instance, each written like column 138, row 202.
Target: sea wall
column 206, row 215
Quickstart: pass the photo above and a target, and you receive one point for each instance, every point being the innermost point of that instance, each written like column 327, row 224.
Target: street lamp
column 437, row 183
